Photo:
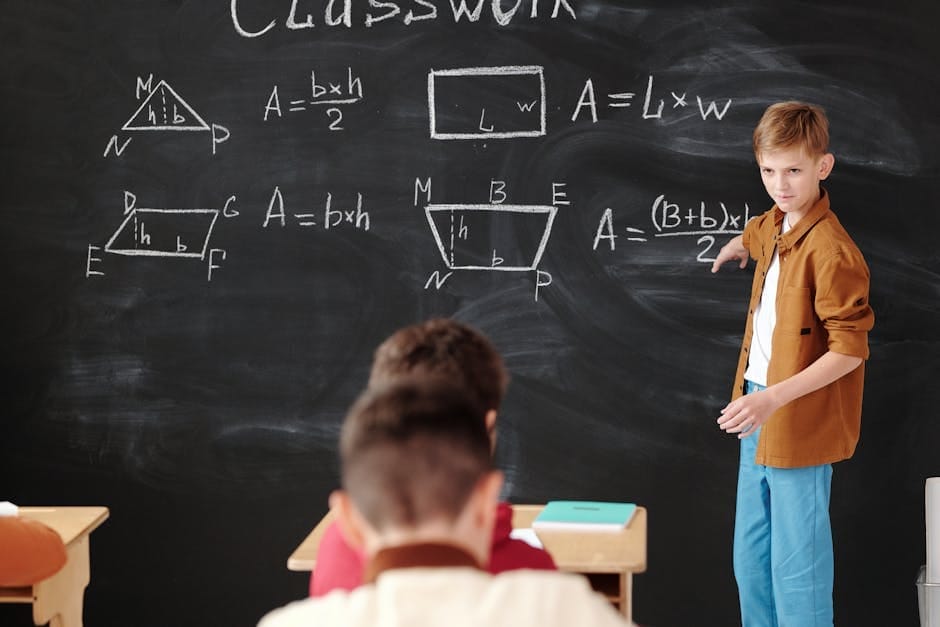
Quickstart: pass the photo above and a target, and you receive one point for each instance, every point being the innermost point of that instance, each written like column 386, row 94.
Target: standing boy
column 797, row 398
column 446, row 348
column 420, row 493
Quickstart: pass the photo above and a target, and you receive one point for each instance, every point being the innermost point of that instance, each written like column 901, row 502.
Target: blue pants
column 782, row 542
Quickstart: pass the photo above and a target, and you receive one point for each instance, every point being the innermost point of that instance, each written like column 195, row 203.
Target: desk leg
column 626, row 596
column 59, row 599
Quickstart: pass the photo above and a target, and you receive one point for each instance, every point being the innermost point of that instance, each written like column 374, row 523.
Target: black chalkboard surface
column 213, row 211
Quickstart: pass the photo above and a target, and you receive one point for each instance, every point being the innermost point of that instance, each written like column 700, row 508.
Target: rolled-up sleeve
column 842, row 303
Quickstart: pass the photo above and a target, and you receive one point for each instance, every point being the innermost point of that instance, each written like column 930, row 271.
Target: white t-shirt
column 765, row 318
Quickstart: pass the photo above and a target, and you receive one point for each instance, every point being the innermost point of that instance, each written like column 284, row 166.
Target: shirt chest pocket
column 795, row 312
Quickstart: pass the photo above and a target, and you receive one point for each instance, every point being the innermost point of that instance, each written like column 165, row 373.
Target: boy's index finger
column 720, row 260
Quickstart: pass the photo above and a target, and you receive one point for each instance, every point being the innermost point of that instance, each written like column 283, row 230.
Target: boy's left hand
column 745, row 414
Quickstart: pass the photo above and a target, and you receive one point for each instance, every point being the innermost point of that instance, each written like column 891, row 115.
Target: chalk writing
column 179, row 233
column 651, row 107
column 339, row 13
column 328, row 97
column 480, row 236
column 458, row 222
column 668, row 219
column 164, row 110
column 487, row 102
column 511, row 101
column 332, row 217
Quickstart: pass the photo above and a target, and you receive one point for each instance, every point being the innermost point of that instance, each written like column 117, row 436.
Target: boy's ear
column 350, row 521
column 487, row 495
column 490, row 421
column 826, row 163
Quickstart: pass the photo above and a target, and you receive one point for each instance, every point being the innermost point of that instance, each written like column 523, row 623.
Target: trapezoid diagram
column 491, row 237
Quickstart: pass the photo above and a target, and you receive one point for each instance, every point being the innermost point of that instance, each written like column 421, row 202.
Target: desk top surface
column 591, row 551
column 575, row 551
column 71, row 523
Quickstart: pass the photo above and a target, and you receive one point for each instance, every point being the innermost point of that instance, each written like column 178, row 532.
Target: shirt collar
column 421, row 555
column 816, row 213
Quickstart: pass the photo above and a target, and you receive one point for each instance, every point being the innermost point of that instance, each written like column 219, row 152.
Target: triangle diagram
column 164, row 110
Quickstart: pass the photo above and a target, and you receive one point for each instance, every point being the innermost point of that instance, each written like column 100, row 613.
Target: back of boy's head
column 413, row 451
column 792, row 124
column 443, row 348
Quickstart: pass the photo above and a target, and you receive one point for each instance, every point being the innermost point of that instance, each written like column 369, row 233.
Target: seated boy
column 419, row 494
column 448, row 349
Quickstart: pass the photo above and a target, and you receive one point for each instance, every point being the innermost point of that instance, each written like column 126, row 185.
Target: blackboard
column 213, row 211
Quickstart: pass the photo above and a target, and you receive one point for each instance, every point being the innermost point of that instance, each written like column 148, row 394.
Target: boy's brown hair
column 413, row 451
column 443, row 348
column 788, row 124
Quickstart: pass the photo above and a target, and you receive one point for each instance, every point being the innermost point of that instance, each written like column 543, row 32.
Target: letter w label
column 712, row 108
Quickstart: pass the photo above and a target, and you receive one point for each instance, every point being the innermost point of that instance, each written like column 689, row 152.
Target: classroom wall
column 212, row 212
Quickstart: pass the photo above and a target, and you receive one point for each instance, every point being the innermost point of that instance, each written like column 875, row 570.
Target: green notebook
column 584, row 516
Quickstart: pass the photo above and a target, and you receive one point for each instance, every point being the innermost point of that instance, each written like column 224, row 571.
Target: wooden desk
column 608, row 560
column 58, row 600
column 304, row 557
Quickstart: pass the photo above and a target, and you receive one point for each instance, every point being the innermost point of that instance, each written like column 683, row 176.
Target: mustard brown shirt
column 822, row 305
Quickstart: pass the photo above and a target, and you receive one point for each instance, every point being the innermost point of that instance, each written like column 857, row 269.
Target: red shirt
column 340, row 567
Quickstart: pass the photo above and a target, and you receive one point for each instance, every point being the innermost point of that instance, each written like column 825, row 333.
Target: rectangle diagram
column 164, row 233
column 487, row 102
column 491, row 237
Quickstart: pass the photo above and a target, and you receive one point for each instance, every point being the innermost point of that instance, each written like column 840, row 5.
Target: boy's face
column 791, row 177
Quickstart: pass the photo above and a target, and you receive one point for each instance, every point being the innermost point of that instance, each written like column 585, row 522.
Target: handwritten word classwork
column 248, row 18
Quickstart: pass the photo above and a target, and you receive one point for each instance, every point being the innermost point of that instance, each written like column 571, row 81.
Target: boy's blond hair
column 791, row 124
